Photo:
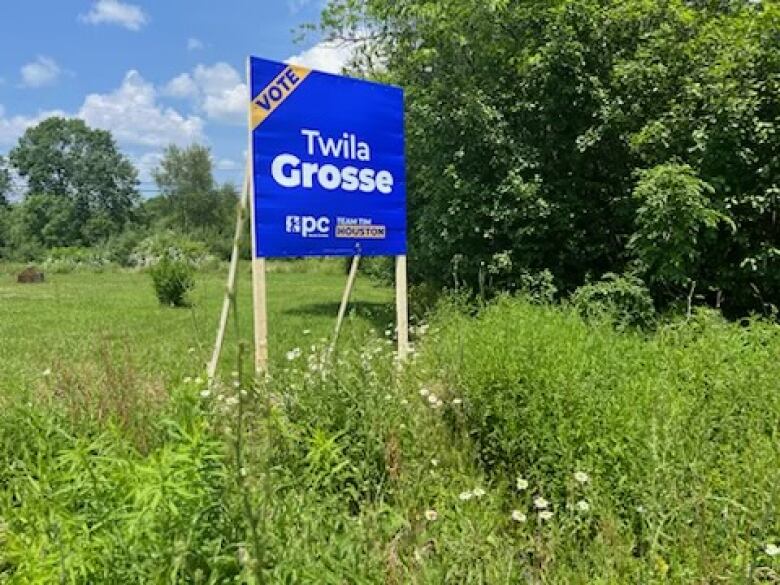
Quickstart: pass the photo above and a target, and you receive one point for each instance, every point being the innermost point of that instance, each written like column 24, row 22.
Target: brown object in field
column 29, row 275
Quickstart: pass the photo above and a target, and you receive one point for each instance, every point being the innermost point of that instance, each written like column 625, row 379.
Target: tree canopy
column 586, row 137
column 90, row 186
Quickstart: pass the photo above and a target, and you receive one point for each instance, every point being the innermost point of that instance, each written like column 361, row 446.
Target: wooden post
column 260, row 310
column 231, row 280
column 402, row 307
column 345, row 299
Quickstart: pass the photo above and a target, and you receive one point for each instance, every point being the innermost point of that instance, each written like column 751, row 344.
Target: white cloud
column 181, row 86
column 327, row 56
column 218, row 91
column 13, row 127
column 129, row 16
column 194, row 44
column 133, row 115
column 42, row 71
column 225, row 164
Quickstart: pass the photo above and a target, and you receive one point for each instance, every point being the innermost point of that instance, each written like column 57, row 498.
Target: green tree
column 529, row 124
column 65, row 159
column 5, row 182
column 186, row 184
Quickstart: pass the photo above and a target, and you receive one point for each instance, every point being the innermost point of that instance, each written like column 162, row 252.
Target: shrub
column 172, row 246
column 622, row 299
column 172, row 280
column 68, row 259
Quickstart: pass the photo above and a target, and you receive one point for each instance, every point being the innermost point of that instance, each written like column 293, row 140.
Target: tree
column 185, row 180
column 82, row 167
column 530, row 123
column 5, row 182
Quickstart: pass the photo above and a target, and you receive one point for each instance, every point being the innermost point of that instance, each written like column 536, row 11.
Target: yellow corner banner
column 273, row 95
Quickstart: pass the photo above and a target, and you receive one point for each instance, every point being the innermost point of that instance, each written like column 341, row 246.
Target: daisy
column 581, row 477
column 540, row 503
column 522, row 484
column 518, row 516
column 583, row 506
column 431, row 515
column 545, row 515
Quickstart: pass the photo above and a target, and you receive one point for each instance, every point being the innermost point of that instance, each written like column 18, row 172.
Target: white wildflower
column 772, row 549
column 187, row 379
column 435, row 462
column 293, row 354
column 231, row 400
column 522, row 484
column 431, row 515
column 433, row 399
column 540, row 503
column 404, row 402
column 518, row 516
column 199, row 380
column 581, row 477
column 191, row 350
column 478, row 492
column 424, row 392
column 583, row 506
column 457, row 401
column 545, row 515
column 306, row 331
column 205, row 394
column 243, row 472
column 47, row 372
column 234, row 374
column 465, row 496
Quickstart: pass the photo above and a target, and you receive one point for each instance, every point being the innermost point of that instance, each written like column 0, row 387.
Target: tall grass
column 519, row 445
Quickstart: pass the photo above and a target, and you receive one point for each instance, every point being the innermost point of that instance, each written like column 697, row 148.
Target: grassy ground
column 79, row 318
column 521, row 444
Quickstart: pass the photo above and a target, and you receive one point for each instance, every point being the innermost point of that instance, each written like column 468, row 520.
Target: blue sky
column 152, row 73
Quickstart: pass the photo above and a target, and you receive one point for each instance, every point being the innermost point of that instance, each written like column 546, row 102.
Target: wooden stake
column 345, row 299
column 231, row 280
column 260, row 310
column 402, row 307
column 259, row 304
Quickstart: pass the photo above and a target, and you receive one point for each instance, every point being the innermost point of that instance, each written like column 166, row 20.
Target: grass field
column 75, row 319
column 520, row 445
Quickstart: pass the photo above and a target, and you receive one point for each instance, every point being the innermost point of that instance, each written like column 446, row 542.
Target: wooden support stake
column 402, row 307
column 345, row 299
column 260, row 310
column 231, row 281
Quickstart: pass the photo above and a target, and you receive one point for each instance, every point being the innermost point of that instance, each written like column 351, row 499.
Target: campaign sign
column 327, row 163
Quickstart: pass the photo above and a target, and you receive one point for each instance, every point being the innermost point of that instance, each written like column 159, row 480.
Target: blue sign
column 327, row 163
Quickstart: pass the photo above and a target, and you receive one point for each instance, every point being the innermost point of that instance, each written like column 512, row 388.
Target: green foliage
column 675, row 224
column 169, row 245
column 623, row 300
column 172, row 279
column 677, row 433
column 62, row 260
column 80, row 171
column 528, row 121
column 189, row 198
column 114, row 469
column 5, row 182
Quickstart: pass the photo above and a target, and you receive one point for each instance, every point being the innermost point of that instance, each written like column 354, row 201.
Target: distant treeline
column 81, row 191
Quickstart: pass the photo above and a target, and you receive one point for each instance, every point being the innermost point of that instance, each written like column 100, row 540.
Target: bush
column 624, row 300
column 68, row 259
column 172, row 280
column 172, row 246
column 677, row 433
